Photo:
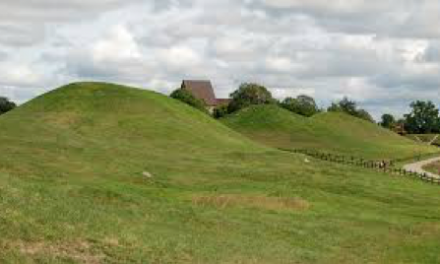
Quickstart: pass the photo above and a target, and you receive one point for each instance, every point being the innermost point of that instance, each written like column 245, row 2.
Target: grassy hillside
column 427, row 138
column 98, row 173
column 328, row 132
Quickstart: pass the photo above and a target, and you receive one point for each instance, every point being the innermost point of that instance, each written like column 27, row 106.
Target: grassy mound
column 98, row 173
column 327, row 132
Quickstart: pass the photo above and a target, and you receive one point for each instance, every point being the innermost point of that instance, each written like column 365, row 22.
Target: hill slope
column 99, row 173
column 426, row 138
column 326, row 132
column 82, row 122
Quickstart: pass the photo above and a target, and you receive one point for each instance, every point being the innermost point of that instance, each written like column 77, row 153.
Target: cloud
column 432, row 53
column 118, row 46
column 24, row 23
column 389, row 18
column 114, row 56
column 381, row 53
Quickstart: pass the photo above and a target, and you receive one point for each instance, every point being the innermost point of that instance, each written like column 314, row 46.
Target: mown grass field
column 98, row 173
column 326, row 132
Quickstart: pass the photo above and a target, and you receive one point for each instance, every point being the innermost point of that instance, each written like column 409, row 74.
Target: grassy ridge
column 334, row 132
column 98, row 173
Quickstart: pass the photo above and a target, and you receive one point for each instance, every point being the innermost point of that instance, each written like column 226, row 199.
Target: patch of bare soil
column 262, row 202
column 80, row 252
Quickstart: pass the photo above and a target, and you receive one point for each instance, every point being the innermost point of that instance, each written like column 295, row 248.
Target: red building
column 204, row 91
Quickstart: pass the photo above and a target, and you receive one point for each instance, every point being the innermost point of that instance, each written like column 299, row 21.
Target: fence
column 382, row 166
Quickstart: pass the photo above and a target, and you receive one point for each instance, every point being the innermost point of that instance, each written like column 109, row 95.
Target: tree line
column 423, row 118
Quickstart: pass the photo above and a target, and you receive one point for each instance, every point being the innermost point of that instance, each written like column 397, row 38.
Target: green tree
column 345, row 105
column 350, row 107
column 388, row 121
column 6, row 105
column 363, row 114
column 423, row 119
column 249, row 94
column 187, row 98
column 302, row 105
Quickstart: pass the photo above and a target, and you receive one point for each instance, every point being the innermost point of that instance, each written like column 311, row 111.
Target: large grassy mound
column 98, row 173
column 326, row 132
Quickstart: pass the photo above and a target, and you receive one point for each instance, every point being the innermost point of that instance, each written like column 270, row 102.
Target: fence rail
column 383, row 166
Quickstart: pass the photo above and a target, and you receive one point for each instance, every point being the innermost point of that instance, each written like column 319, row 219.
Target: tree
column 423, row 119
column 363, row 114
column 249, row 94
column 189, row 99
column 6, row 105
column 388, row 121
column 345, row 105
column 350, row 107
column 302, row 105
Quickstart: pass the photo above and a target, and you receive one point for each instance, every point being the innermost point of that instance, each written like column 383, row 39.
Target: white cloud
column 381, row 53
column 19, row 75
column 120, row 45
column 180, row 57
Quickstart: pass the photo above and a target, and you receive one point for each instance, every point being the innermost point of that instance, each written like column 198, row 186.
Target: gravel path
column 418, row 167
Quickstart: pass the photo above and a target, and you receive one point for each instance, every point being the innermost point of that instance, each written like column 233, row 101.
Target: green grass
column 74, row 189
column 326, row 132
column 425, row 138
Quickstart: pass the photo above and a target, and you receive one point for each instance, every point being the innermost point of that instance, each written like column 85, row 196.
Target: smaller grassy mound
column 273, row 126
column 326, row 132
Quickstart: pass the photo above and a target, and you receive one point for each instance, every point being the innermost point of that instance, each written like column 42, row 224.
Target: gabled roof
column 202, row 90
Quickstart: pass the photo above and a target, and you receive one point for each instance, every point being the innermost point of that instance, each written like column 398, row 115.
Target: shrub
column 6, row 105
column 350, row 107
column 249, row 94
column 221, row 111
column 303, row 105
column 187, row 98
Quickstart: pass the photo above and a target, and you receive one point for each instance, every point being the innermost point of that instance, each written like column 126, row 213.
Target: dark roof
column 223, row 101
column 202, row 90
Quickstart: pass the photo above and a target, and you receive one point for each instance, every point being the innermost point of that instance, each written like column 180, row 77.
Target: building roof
column 222, row 101
column 202, row 90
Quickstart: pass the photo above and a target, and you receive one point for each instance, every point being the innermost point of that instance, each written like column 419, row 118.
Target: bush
column 221, row 111
column 303, row 105
column 6, row 105
column 187, row 98
column 249, row 94
column 350, row 107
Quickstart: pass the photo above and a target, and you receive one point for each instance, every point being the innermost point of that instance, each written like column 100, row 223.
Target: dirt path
column 418, row 167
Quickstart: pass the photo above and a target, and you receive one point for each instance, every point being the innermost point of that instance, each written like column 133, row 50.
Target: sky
column 382, row 53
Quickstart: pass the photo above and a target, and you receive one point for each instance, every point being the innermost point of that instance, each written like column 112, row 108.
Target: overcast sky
column 382, row 53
